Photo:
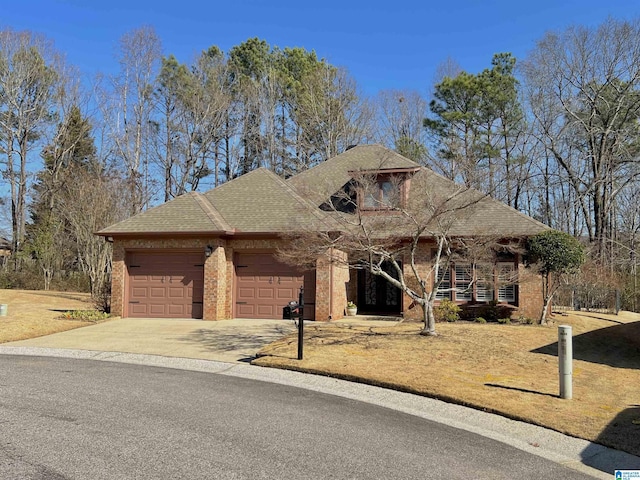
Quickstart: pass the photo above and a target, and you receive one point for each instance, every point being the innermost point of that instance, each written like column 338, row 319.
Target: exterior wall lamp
column 208, row 251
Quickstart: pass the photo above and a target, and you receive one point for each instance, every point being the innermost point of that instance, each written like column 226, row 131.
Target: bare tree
column 400, row 116
column 332, row 115
column 583, row 87
column 28, row 80
column 394, row 242
column 127, row 105
column 89, row 204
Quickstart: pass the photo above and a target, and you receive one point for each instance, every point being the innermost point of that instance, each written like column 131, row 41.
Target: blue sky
column 384, row 45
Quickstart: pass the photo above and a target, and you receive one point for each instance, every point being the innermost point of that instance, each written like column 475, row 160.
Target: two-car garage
column 171, row 285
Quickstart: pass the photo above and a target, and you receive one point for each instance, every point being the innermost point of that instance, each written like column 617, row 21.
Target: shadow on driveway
column 235, row 339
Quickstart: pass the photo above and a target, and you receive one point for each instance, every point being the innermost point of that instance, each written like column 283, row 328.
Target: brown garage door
column 264, row 286
column 165, row 285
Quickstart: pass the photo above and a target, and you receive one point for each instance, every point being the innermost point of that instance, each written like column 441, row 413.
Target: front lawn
column 33, row 313
column 507, row 369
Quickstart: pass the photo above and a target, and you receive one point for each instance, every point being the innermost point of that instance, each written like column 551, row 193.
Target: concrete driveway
column 235, row 340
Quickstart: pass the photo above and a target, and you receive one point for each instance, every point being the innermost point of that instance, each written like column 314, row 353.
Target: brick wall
column 218, row 269
column 530, row 300
column 333, row 285
column 118, row 273
column 216, row 301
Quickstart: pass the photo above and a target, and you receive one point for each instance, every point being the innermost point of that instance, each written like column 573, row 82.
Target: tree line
column 554, row 135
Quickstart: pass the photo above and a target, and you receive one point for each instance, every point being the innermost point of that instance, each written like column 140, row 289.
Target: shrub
column 85, row 315
column 490, row 311
column 526, row 320
column 102, row 300
column 447, row 311
column 25, row 279
column 480, row 320
column 504, row 321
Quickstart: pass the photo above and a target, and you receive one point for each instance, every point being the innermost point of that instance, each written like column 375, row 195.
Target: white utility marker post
column 565, row 361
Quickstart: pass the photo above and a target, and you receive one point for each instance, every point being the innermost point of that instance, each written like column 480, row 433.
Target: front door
column 376, row 295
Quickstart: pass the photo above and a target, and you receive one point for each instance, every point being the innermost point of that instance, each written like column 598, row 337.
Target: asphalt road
column 81, row 419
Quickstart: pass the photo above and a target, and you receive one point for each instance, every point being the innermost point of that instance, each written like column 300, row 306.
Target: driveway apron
column 235, row 340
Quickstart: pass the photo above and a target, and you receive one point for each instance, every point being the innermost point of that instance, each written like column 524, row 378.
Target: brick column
column 117, row 279
column 215, row 297
column 332, row 278
column 530, row 301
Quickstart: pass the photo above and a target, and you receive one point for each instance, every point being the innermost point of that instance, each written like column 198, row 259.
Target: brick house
column 212, row 255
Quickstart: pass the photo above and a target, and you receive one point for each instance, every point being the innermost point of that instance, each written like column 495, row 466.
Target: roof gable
column 322, row 181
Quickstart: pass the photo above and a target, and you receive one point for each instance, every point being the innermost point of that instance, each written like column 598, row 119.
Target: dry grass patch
column 37, row 313
column 507, row 369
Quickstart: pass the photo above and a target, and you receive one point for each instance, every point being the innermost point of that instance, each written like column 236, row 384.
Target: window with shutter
column 444, row 290
column 463, row 282
column 506, row 282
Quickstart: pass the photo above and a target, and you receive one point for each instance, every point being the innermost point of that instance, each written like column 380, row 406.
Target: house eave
column 196, row 233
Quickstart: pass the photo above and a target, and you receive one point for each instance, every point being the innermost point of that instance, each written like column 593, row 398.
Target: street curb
column 578, row 454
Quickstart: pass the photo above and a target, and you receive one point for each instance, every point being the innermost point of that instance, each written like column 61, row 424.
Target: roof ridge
column 211, row 212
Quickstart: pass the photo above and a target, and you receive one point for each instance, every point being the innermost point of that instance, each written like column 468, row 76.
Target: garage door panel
column 138, row 309
column 157, row 292
column 139, row 292
column 266, row 293
column 157, row 309
column 264, row 285
column 287, row 294
column 177, row 310
column 266, row 311
column 174, row 292
column 247, row 310
column 246, row 293
column 165, row 285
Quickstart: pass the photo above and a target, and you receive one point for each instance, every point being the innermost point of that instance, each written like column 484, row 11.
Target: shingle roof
column 484, row 214
column 262, row 202
column 258, row 202
column 325, row 179
column 184, row 214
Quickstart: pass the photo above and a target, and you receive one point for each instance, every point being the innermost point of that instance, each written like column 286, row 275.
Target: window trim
column 451, row 278
column 379, row 203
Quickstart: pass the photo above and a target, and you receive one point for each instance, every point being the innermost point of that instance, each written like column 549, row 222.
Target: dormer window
column 380, row 195
column 384, row 189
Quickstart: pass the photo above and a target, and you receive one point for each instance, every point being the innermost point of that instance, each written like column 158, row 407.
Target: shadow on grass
column 523, row 390
column 331, row 335
column 80, row 297
column 617, row 346
column 623, row 433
